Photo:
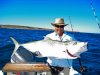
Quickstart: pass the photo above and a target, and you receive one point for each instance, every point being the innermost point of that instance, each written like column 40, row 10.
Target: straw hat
column 59, row 21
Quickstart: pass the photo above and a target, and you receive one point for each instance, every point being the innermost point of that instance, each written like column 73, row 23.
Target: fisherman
column 60, row 35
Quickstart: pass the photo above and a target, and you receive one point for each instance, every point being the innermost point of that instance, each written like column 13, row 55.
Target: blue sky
column 41, row 13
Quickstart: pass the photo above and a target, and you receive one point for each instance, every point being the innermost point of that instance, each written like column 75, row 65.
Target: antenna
column 71, row 24
column 95, row 14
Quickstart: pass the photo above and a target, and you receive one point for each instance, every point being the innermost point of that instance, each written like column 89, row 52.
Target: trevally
column 52, row 48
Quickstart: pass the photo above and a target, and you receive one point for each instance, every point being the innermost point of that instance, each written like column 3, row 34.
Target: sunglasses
column 59, row 26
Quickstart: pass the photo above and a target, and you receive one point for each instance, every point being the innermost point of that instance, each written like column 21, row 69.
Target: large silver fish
column 56, row 49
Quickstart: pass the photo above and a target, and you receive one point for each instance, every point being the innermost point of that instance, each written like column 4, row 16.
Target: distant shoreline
column 22, row 27
column 33, row 28
column 25, row 27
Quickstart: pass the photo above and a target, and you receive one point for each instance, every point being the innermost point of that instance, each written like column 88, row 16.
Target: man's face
column 59, row 30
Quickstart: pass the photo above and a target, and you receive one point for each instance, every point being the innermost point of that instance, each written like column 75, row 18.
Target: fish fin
column 16, row 45
column 49, row 61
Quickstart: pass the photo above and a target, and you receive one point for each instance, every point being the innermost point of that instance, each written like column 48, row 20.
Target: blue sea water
column 90, row 59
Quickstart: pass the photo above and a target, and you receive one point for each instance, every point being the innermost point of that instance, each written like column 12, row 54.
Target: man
column 59, row 35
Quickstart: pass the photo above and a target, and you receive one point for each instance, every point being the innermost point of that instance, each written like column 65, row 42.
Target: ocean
column 89, row 59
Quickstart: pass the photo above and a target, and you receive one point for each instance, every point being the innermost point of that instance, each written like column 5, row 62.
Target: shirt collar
column 58, row 35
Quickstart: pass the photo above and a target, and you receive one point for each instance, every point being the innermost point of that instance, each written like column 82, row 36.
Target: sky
column 41, row 13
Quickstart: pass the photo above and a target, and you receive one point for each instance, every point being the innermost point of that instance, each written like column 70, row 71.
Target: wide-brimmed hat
column 59, row 21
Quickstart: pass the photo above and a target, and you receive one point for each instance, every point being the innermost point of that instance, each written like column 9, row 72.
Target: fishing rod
column 71, row 23
column 81, row 67
column 94, row 13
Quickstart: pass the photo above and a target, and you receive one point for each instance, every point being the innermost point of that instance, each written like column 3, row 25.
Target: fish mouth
column 70, row 53
column 66, row 51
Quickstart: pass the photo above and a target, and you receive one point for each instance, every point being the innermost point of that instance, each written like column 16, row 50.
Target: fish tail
column 16, row 45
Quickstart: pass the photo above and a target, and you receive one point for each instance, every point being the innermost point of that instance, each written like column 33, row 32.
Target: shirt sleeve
column 71, row 36
column 46, row 37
